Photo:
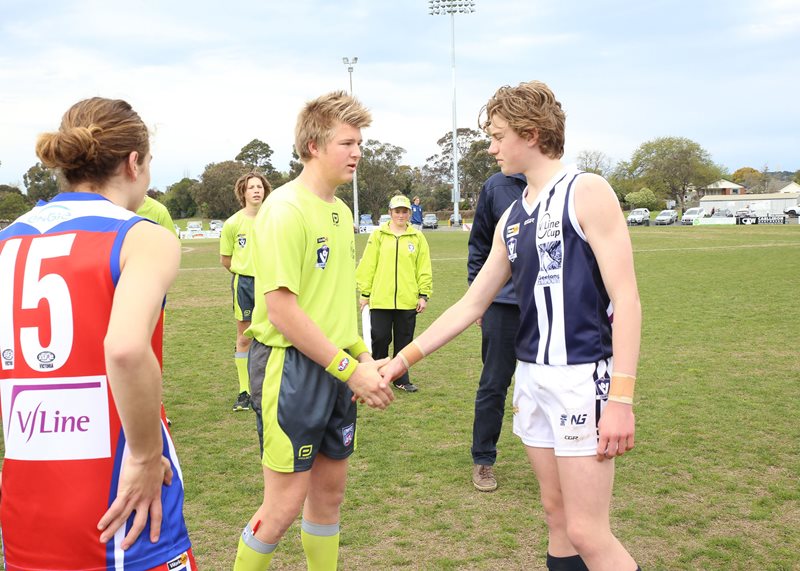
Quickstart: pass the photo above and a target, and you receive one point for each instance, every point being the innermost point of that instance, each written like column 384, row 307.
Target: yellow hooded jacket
column 395, row 271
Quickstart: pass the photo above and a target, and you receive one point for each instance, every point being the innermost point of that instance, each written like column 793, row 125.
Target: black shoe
column 242, row 402
column 408, row 387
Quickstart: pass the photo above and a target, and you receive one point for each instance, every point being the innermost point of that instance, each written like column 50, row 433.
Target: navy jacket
column 497, row 194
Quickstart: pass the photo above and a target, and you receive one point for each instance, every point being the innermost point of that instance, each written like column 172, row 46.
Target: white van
column 693, row 214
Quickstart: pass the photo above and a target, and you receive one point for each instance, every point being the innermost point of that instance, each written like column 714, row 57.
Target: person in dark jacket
column 499, row 327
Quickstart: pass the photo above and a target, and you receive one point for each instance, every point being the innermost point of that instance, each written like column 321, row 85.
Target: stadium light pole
column 453, row 7
column 350, row 62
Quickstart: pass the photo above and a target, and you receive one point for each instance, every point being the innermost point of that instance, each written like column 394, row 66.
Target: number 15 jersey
column 64, row 443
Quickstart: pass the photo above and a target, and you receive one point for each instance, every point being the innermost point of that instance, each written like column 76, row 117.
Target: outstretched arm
column 465, row 311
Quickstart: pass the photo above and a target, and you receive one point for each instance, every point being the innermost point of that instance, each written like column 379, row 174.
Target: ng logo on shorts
column 305, row 451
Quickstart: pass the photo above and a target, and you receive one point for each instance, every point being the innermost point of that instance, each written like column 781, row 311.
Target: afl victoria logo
column 45, row 357
column 8, row 354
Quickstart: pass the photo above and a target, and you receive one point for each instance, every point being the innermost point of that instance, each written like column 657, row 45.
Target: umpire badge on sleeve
column 348, row 432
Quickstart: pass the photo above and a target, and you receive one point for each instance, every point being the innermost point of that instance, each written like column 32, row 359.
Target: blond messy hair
column 320, row 117
column 530, row 108
column 240, row 188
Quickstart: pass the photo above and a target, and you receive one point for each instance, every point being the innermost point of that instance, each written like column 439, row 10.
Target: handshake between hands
column 371, row 382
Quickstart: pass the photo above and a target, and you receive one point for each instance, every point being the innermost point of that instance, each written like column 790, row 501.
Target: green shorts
column 243, row 289
column 304, row 410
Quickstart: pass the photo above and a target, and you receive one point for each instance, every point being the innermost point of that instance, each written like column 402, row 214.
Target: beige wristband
column 411, row 354
column 621, row 389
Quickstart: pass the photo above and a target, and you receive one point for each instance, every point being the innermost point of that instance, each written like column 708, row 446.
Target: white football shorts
column 559, row 406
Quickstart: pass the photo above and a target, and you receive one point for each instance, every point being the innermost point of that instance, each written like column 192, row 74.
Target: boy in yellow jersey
column 308, row 366
column 235, row 254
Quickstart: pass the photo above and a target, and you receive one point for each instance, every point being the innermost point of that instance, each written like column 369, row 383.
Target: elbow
column 125, row 353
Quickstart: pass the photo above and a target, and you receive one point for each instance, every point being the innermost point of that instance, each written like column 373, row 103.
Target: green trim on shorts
column 279, row 455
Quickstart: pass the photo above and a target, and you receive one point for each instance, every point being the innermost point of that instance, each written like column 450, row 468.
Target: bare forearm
column 626, row 336
column 135, row 380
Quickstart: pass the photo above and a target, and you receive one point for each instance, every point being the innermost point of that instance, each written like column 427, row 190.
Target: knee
column 582, row 536
column 554, row 514
column 243, row 343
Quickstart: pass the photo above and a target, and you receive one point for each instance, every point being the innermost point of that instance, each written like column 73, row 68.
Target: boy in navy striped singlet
column 566, row 247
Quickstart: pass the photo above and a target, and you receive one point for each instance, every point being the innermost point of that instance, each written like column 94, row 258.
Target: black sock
column 572, row 563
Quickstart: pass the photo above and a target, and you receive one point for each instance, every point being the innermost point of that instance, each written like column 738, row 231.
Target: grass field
column 712, row 483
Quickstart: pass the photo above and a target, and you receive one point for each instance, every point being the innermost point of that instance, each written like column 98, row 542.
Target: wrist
column 621, row 388
column 411, row 354
column 342, row 366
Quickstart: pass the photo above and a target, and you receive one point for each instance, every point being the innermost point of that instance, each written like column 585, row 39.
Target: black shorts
column 305, row 410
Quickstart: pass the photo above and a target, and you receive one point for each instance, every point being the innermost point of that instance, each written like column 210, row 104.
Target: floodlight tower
column 350, row 62
column 453, row 7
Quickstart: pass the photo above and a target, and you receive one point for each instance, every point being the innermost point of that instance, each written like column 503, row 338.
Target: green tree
column 672, row 167
column 473, row 161
column 257, row 156
column 380, row 176
column 644, row 198
column 179, row 200
column 41, row 182
column 12, row 205
column 476, row 165
column 796, row 177
column 214, row 194
column 9, row 188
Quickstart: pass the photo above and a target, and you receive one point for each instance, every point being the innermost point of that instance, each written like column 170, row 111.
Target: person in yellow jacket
column 395, row 280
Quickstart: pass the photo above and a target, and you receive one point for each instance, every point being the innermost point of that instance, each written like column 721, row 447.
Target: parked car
column 793, row 210
column 666, row 217
column 384, row 218
column 722, row 213
column 639, row 217
column 366, row 220
column 692, row 214
column 744, row 213
column 194, row 226
column 215, row 225
column 430, row 221
column 456, row 221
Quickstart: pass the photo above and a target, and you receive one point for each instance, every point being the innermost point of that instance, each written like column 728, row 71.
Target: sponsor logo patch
column 305, row 451
column 343, row 364
column 512, row 230
column 56, row 419
column 348, row 432
column 241, row 239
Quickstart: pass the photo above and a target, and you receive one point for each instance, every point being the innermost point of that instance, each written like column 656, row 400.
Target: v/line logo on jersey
column 56, row 419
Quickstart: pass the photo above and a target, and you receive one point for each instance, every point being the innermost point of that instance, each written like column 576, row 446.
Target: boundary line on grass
column 635, row 251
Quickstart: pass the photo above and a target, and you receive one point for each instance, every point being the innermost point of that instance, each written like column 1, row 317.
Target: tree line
column 662, row 169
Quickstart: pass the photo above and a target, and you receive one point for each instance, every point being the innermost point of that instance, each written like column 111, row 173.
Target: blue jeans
column 498, row 332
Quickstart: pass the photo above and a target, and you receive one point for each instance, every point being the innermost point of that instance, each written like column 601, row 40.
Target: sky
column 209, row 77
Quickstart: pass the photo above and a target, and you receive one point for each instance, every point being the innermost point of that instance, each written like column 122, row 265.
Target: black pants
column 498, row 331
column 392, row 323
